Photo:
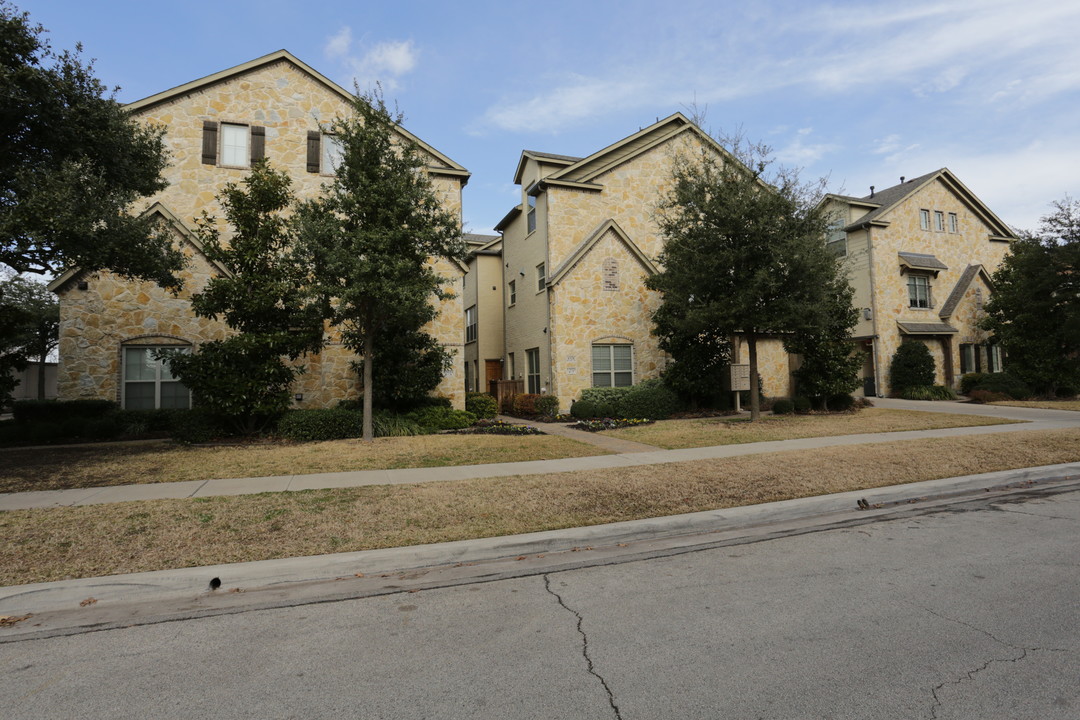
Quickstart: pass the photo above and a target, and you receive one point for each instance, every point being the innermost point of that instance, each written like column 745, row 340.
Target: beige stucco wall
column 288, row 103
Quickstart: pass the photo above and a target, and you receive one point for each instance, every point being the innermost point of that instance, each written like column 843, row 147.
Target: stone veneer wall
column 970, row 246
column 288, row 103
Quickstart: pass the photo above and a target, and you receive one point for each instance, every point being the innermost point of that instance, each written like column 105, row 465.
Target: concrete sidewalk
column 1034, row 420
column 101, row 603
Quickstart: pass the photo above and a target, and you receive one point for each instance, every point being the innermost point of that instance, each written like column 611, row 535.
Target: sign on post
column 740, row 380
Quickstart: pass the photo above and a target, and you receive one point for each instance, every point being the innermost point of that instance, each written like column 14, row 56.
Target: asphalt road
column 969, row 612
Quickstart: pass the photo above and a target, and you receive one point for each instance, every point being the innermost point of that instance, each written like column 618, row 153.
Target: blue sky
column 861, row 92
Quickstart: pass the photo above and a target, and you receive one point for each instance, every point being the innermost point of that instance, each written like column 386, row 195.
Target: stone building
column 575, row 255
column 919, row 255
column 275, row 107
column 483, row 301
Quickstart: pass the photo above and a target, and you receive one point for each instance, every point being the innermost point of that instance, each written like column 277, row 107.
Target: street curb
column 80, row 605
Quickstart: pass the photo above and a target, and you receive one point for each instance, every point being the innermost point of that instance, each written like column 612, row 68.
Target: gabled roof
column 443, row 166
column 586, row 170
column 961, row 287
column 483, row 245
column 544, row 157
column 590, row 242
column 887, row 199
column 166, row 216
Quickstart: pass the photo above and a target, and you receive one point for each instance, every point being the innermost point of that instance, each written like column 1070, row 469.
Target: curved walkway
column 1037, row 419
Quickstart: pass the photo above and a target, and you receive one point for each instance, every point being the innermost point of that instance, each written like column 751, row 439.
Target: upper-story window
column 939, row 221
column 924, row 219
column 470, row 324
column 232, row 144
column 541, row 277
column 530, row 219
column 954, row 223
column 919, row 291
column 324, row 152
column 836, row 240
column 330, row 156
column 513, row 292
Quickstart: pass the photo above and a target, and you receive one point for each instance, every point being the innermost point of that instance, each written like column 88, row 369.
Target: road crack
column 585, row 647
column 970, row 674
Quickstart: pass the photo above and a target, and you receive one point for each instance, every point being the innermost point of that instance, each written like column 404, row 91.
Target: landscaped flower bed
column 610, row 424
column 497, row 427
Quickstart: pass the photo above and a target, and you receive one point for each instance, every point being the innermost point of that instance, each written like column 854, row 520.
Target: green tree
column 912, row 366
column 830, row 365
column 372, row 235
column 72, row 162
column 39, row 332
column 246, row 378
column 1034, row 309
column 741, row 255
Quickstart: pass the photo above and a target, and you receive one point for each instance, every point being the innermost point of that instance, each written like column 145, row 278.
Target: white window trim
column 939, row 221
column 512, row 292
column 541, row 277
column 470, row 324
column 924, row 219
column 326, row 141
column 929, row 292
column 157, row 373
column 954, row 223
column 611, row 357
column 246, row 129
column 529, row 367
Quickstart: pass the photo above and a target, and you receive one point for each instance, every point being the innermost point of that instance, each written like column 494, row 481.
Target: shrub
column 841, row 402
column 547, row 405
column 970, row 381
column 435, row 418
column 1066, row 391
column 609, row 424
column 482, row 405
column 196, row 426
column 602, row 395
column 58, row 411
column 583, row 409
column 1006, row 383
column 320, row 424
column 928, row 392
column 801, row 404
column 498, row 427
column 102, row 428
column 783, row 406
column 649, row 399
column 912, row 366
column 987, row 396
column 386, row 424
column 525, row 404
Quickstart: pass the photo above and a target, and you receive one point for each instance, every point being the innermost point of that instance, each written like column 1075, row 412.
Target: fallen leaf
column 358, row 574
column 9, row 620
column 237, row 590
column 622, row 544
column 414, row 591
column 88, row 601
column 521, row 557
column 539, row 556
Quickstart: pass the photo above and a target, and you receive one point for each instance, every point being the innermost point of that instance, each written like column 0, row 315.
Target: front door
column 493, row 370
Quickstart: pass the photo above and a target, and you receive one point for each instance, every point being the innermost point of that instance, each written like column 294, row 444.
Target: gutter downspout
column 874, row 312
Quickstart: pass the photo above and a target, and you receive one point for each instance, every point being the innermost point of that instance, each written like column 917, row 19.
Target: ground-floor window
column 532, row 360
column 994, row 362
column 148, row 384
column 468, row 376
column 969, row 358
column 612, row 365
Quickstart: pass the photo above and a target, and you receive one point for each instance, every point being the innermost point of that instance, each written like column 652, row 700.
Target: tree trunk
column 369, row 360
column 755, row 401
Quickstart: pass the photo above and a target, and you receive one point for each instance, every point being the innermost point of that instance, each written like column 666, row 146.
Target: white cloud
column 800, row 153
column 579, row 98
column 385, row 62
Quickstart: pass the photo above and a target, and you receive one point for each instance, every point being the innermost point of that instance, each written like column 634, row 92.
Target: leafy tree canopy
column 72, row 162
column 33, row 327
column 1034, row 309
column 741, row 255
column 372, row 235
column 264, row 297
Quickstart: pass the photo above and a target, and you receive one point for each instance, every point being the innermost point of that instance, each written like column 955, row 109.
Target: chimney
column 871, row 191
column 901, row 179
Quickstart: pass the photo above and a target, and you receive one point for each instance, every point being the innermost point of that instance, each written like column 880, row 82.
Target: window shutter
column 258, row 143
column 209, row 142
column 313, row 138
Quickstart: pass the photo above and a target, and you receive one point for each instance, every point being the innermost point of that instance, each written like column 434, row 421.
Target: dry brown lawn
column 705, row 432
column 1043, row 404
column 54, row 544
column 100, row 465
